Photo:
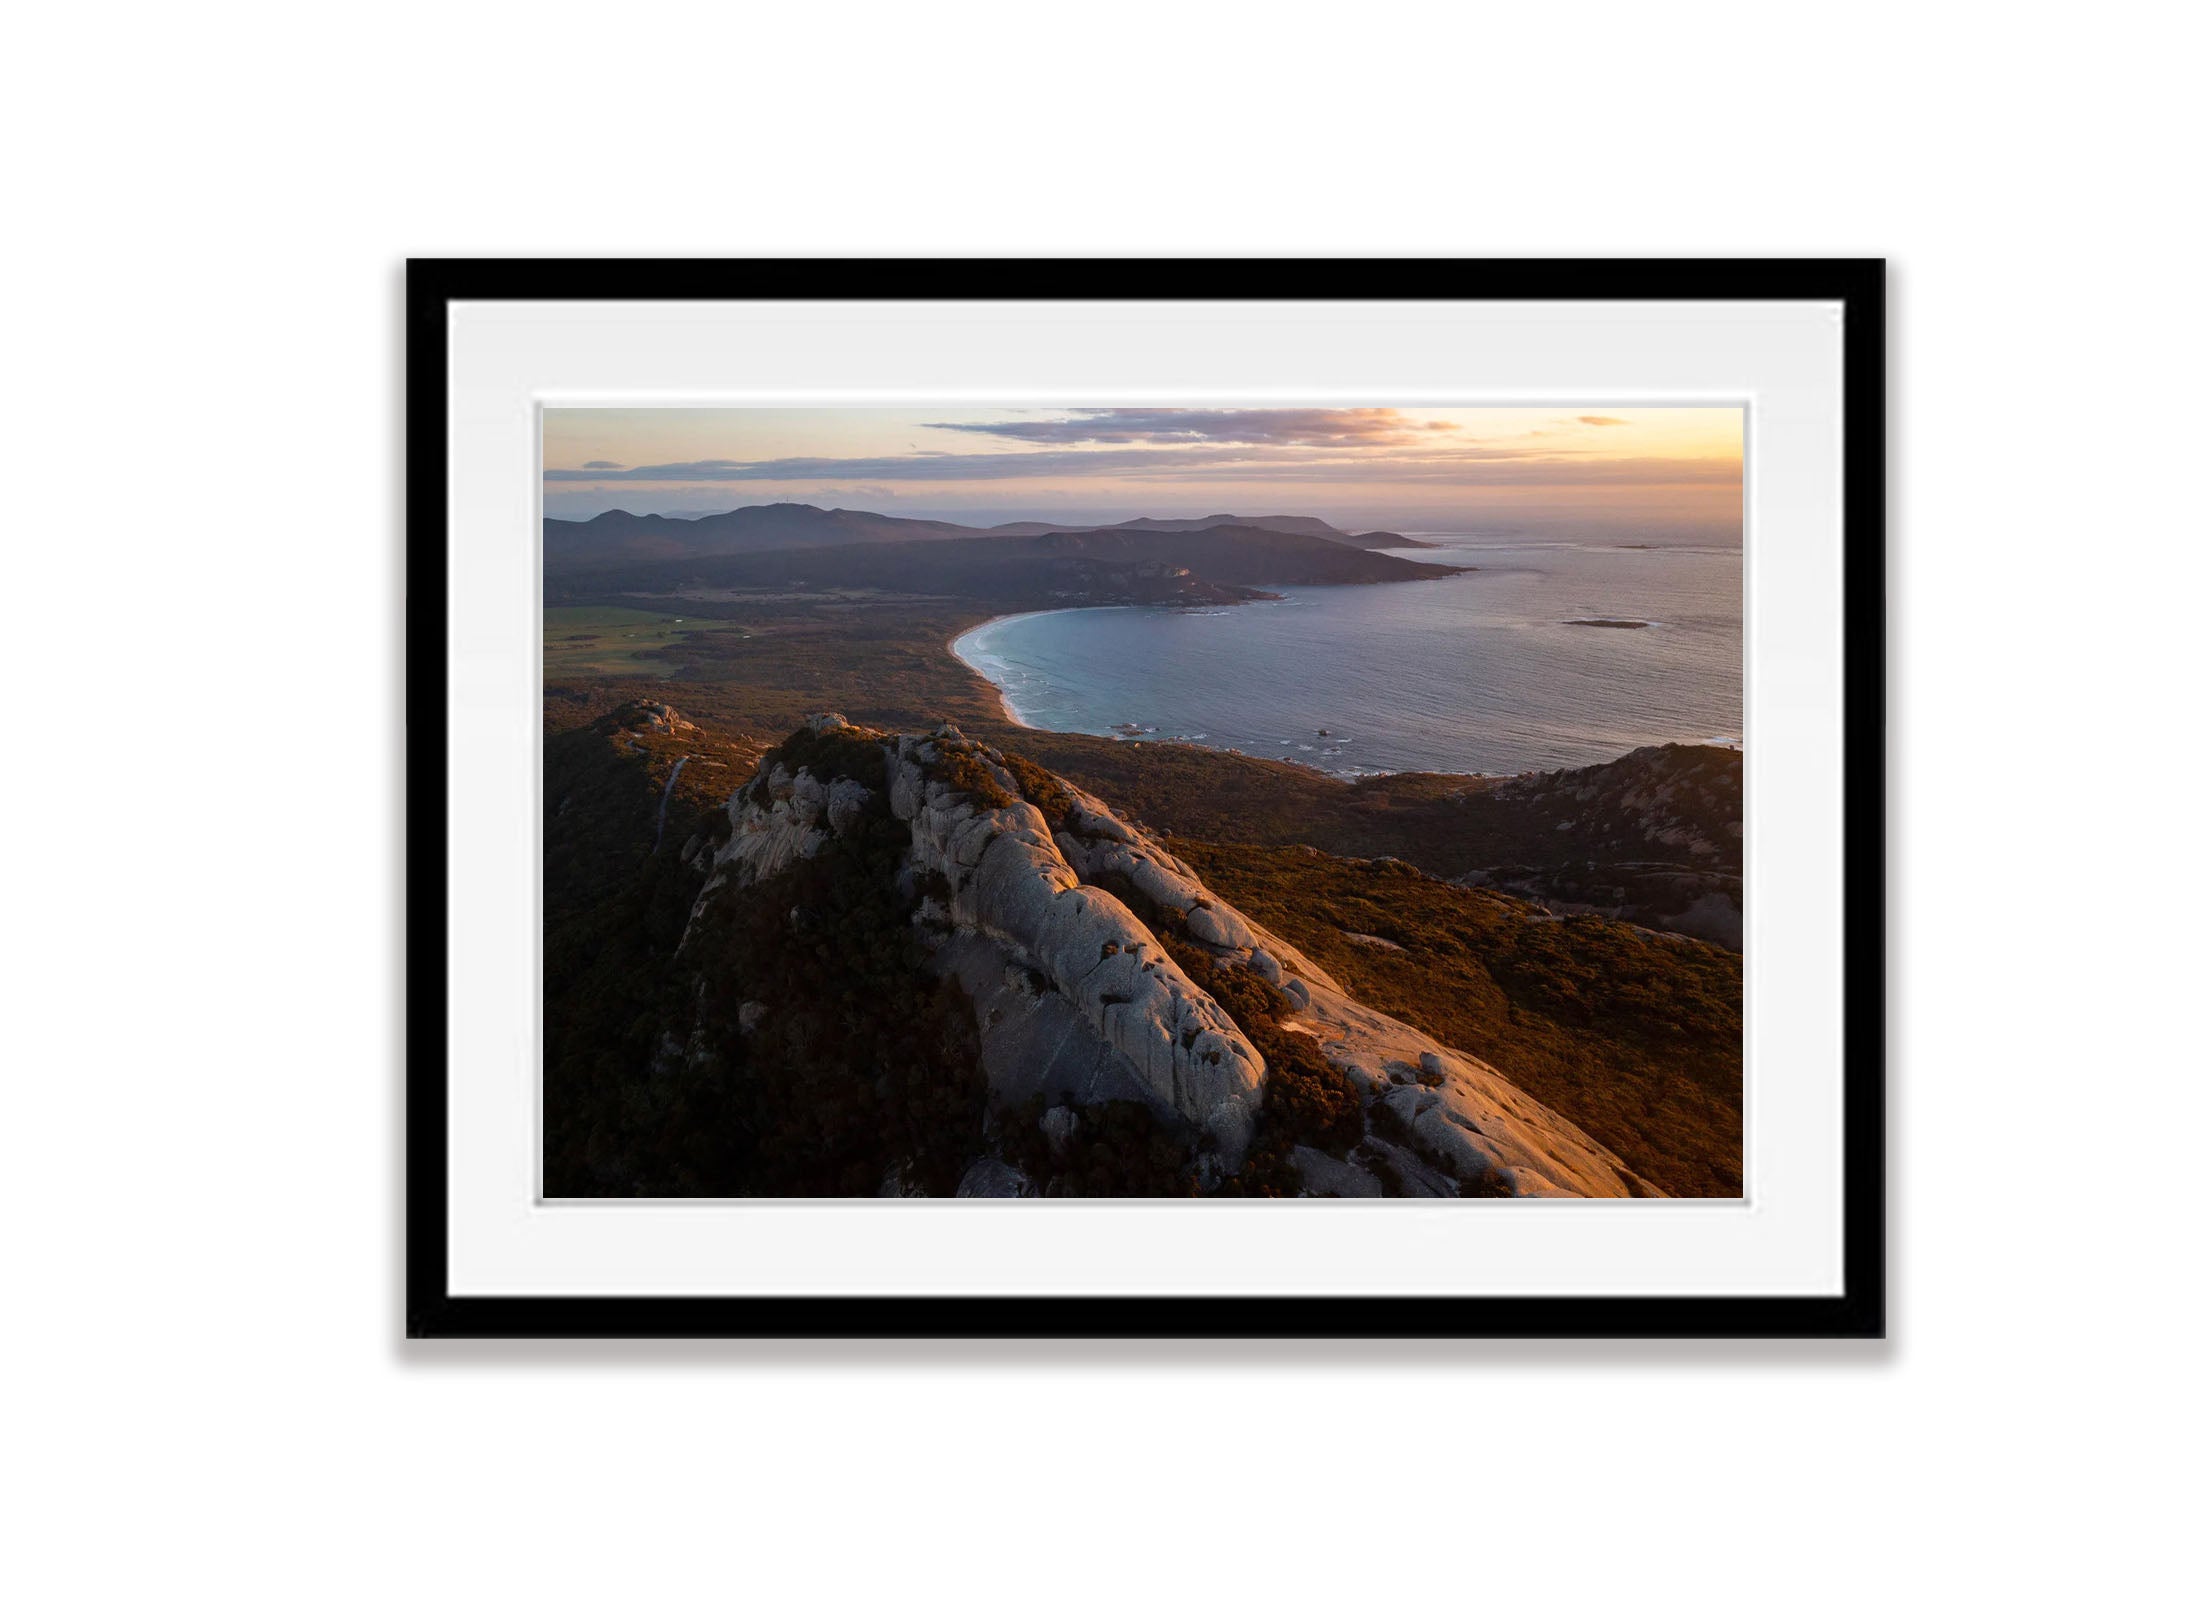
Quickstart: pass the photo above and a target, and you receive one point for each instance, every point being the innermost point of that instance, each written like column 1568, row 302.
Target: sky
column 1667, row 470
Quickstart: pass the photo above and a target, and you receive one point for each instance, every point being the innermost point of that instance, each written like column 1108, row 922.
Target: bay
column 1490, row 672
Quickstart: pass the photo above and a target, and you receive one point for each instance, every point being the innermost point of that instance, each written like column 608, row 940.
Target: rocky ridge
column 1023, row 889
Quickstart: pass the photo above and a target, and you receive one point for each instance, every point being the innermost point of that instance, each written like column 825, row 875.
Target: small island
column 1607, row 622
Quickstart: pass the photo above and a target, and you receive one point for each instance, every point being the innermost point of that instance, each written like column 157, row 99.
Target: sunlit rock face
column 1009, row 881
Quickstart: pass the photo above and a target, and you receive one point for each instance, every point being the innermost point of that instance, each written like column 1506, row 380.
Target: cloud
column 1455, row 464
column 1603, row 422
column 939, row 465
column 1362, row 426
column 602, row 466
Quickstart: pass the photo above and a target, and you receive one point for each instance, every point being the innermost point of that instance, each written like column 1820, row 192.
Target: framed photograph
column 1158, row 798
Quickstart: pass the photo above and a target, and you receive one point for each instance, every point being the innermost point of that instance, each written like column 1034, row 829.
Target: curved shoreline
column 1008, row 706
column 968, row 658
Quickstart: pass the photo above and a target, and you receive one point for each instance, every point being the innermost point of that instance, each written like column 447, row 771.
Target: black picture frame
column 1859, row 1311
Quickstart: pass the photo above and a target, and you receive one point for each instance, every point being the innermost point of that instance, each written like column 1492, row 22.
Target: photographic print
column 1189, row 802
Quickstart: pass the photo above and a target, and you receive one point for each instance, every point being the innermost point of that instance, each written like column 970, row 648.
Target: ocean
column 1480, row 673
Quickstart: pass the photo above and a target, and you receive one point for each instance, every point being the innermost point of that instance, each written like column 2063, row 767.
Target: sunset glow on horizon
column 1432, row 468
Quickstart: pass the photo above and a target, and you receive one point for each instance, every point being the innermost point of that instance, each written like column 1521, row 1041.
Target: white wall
column 208, row 209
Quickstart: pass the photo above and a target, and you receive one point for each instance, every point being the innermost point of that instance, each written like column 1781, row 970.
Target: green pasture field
column 615, row 640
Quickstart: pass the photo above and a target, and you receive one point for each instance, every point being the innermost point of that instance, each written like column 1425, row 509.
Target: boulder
column 657, row 717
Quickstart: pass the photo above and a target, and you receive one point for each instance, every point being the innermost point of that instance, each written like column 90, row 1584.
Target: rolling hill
column 614, row 537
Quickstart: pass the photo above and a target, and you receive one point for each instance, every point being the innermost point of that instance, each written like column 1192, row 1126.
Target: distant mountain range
column 625, row 536
column 1213, row 564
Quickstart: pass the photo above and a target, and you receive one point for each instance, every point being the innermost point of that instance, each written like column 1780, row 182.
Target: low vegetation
column 959, row 764
column 1049, row 794
column 770, row 661
column 1633, row 1035
column 1120, row 1149
column 831, row 754
column 614, row 908
column 855, row 1067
